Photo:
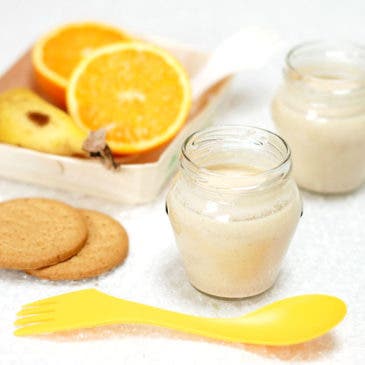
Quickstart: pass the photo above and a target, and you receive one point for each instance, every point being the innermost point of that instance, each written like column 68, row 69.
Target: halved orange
column 139, row 92
column 55, row 55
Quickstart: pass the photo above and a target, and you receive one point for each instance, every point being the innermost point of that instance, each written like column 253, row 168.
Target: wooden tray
column 140, row 178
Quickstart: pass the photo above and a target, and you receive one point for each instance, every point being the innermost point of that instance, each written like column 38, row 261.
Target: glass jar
column 233, row 207
column 320, row 111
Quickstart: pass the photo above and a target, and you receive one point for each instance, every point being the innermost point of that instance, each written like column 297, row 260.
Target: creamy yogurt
column 320, row 111
column 233, row 241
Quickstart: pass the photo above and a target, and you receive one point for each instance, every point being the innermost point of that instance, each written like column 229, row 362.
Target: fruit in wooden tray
column 28, row 121
column 138, row 92
column 56, row 54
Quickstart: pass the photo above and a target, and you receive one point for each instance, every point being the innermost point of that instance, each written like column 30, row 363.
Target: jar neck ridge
column 235, row 159
column 331, row 72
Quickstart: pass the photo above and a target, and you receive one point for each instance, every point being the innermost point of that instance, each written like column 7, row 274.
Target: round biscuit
column 38, row 232
column 105, row 248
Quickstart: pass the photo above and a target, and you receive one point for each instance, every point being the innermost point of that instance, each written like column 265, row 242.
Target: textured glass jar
column 320, row 111
column 233, row 207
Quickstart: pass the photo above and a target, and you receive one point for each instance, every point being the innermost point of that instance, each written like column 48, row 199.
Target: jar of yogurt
column 320, row 111
column 234, row 208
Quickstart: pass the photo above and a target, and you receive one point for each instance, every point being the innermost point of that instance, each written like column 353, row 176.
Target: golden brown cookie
column 37, row 232
column 105, row 248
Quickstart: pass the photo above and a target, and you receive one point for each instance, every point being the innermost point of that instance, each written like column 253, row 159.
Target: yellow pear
column 26, row 120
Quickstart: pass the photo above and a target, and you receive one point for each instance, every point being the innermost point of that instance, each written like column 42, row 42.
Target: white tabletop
column 327, row 253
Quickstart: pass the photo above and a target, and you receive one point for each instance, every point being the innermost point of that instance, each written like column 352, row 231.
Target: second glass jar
column 320, row 111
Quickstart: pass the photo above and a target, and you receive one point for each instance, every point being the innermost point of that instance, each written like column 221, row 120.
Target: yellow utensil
column 288, row 321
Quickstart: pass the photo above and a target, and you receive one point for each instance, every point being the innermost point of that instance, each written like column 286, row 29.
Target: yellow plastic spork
column 285, row 322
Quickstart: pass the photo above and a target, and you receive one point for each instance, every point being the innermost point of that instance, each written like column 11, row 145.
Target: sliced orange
column 139, row 92
column 55, row 56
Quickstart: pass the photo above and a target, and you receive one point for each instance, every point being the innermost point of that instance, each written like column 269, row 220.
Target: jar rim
column 272, row 174
column 346, row 46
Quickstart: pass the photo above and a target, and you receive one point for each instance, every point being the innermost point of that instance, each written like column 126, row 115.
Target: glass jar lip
column 278, row 171
column 294, row 71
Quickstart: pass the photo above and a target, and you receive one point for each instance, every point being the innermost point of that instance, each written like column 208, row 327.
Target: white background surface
column 327, row 253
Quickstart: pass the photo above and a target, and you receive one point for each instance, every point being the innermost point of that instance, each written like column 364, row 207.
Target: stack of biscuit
column 52, row 240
